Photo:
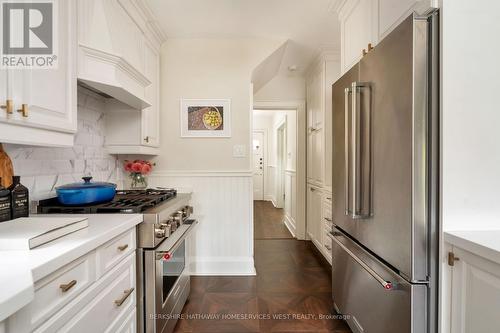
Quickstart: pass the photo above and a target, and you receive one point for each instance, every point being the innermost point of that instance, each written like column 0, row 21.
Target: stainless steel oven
column 166, row 281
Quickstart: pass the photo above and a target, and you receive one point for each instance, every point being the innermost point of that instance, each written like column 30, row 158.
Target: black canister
column 5, row 211
column 19, row 198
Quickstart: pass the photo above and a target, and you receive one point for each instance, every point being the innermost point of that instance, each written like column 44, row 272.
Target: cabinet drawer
column 111, row 253
column 95, row 310
column 61, row 287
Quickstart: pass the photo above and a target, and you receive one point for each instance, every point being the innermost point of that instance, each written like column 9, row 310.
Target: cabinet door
column 358, row 28
column 151, row 115
column 391, row 13
column 475, row 294
column 314, row 214
column 318, row 157
column 50, row 93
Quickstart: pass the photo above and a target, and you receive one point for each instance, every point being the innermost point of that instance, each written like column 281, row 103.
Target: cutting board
column 6, row 168
column 27, row 233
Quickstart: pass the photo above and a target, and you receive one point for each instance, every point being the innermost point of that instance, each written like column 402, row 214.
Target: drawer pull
column 328, row 247
column 123, row 247
column 67, row 286
column 387, row 285
column 126, row 294
column 328, row 219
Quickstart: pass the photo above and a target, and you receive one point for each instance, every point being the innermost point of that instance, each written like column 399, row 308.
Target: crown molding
column 151, row 21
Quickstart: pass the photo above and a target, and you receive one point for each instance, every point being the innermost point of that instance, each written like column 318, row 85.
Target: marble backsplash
column 42, row 169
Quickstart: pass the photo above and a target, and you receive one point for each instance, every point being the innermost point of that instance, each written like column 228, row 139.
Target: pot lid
column 87, row 184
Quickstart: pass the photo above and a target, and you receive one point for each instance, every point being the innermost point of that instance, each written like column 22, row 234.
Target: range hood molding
column 112, row 75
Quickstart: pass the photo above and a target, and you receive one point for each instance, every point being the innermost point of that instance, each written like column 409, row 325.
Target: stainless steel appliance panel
column 372, row 297
column 385, row 160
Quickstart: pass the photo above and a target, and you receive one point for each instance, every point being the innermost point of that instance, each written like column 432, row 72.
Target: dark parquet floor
column 290, row 293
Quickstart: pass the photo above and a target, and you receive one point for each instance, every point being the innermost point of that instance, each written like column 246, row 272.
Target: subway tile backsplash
column 42, row 169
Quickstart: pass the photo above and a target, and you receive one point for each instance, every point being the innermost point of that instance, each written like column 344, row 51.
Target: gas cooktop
column 125, row 201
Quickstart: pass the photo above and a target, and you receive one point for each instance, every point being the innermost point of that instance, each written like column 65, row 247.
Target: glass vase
column 138, row 181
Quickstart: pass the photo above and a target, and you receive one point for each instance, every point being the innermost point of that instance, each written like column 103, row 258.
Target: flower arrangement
column 138, row 170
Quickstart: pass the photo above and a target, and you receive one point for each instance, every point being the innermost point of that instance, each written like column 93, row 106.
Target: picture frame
column 205, row 118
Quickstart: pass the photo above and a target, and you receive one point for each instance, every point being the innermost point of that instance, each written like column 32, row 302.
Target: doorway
column 274, row 163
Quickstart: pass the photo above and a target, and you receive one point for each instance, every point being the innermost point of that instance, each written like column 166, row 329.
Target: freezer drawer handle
column 387, row 285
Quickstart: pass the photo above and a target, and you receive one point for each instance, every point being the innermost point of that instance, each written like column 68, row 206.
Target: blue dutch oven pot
column 85, row 193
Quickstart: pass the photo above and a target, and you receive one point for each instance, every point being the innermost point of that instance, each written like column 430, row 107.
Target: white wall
column 42, row 169
column 207, row 68
column 221, row 183
column 471, row 116
column 283, row 88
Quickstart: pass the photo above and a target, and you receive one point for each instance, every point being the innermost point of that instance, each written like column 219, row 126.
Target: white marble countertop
column 20, row 269
column 484, row 243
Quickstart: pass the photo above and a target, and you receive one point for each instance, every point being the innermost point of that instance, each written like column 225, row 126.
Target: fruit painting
column 205, row 118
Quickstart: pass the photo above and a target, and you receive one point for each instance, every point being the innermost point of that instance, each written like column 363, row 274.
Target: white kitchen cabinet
column 85, row 295
column 314, row 197
column 358, row 28
column 48, row 95
column 364, row 22
column 119, row 48
column 320, row 78
column 475, row 293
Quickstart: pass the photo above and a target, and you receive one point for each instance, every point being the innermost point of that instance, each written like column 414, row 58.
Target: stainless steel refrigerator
column 385, row 183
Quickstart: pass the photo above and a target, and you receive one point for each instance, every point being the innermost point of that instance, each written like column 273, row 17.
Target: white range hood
column 112, row 75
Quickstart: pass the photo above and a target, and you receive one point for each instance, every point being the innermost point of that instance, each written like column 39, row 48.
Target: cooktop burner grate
column 125, row 201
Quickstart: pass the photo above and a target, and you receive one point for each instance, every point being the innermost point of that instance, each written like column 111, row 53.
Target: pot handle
column 71, row 192
column 87, row 179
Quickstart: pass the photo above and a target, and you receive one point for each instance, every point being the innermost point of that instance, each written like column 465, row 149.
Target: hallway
column 268, row 221
column 291, row 291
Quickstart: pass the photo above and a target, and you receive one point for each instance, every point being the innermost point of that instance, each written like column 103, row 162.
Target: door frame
column 264, row 166
column 299, row 106
column 281, row 147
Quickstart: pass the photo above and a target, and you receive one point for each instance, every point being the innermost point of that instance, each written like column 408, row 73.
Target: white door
column 258, row 165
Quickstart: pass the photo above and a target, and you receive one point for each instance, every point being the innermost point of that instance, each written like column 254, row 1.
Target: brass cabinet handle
column 127, row 293
column 123, row 247
column 24, row 110
column 9, row 105
column 67, row 286
column 370, row 47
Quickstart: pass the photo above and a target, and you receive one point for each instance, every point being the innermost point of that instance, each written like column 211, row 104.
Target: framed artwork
column 205, row 118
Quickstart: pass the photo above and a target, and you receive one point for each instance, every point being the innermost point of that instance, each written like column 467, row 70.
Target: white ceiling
column 308, row 24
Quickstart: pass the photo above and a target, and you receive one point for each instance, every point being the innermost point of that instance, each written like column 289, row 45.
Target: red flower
column 146, row 169
column 136, row 167
column 128, row 166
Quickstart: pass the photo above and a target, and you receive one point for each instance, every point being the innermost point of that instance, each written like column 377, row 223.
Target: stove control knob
column 159, row 233
column 165, row 226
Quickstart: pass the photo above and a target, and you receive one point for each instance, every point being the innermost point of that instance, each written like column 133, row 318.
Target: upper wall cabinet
column 39, row 103
column 363, row 23
column 119, row 55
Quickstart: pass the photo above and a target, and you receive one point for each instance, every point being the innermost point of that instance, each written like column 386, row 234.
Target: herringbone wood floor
column 291, row 289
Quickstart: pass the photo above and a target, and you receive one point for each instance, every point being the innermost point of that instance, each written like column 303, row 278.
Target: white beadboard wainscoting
column 223, row 203
column 291, row 200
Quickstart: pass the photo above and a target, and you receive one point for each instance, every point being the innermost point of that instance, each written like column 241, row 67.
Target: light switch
column 239, row 151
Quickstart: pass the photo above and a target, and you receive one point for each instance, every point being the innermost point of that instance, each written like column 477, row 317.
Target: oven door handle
column 160, row 254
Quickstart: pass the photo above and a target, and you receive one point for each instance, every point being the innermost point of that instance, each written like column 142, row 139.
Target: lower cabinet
column 82, row 297
column 475, row 293
column 319, row 219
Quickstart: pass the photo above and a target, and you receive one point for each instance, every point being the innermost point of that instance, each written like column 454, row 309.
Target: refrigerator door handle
column 361, row 150
column 387, row 285
column 347, row 92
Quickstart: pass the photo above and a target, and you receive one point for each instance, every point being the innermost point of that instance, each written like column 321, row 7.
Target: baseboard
column 222, row 266
column 290, row 224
